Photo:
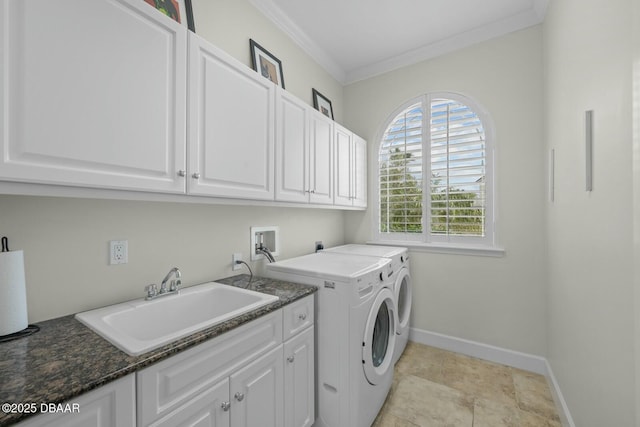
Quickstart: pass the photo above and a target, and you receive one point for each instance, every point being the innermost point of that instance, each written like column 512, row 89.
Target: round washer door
column 402, row 290
column 379, row 337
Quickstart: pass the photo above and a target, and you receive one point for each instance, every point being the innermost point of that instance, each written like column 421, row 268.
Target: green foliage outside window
column 400, row 195
column 453, row 211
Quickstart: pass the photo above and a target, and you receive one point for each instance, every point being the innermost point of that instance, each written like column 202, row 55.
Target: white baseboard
column 491, row 353
column 558, row 398
column 503, row 356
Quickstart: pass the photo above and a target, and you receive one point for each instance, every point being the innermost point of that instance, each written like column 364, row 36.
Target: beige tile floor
column 437, row 388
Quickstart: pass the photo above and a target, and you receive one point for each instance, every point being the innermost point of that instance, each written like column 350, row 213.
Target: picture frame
column 322, row 104
column 180, row 11
column 266, row 64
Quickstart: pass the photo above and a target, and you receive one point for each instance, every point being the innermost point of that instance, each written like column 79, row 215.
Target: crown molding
column 535, row 15
column 447, row 45
column 282, row 21
column 540, row 6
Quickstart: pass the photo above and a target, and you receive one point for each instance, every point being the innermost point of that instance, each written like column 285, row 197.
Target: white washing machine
column 401, row 279
column 355, row 333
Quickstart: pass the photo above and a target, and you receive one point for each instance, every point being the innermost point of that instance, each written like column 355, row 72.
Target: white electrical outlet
column 236, row 257
column 118, row 252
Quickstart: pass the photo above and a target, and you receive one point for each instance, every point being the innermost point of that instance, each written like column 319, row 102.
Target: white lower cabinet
column 211, row 408
column 260, row 374
column 239, row 379
column 299, row 369
column 112, row 405
column 252, row 396
column 257, row 392
column 167, row 387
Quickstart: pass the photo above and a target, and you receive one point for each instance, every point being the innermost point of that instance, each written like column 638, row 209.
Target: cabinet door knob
column 290, row 359
column 239, row 396
column 182, row 173
column 196, row 175
column 225, row 406
column 302, row 316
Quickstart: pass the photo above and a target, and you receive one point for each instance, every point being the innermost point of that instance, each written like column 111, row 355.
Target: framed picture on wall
column 322, row 104
column 266, row 64
column 178, row 10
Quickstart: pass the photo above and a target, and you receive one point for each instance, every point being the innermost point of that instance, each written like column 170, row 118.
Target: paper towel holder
column 30, row 329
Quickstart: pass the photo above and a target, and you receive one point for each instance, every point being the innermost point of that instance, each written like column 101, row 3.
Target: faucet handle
column 174, row 285
column 152, row 290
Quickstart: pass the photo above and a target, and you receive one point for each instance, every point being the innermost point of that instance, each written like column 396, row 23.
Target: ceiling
column 357, row 39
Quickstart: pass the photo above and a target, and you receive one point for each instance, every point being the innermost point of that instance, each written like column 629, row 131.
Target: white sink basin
column 138, row 326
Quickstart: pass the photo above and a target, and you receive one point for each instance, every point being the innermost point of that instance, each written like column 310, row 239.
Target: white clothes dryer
column 355, row 333
column 401, row 279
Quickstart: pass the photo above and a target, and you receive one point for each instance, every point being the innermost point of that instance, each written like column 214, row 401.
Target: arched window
column 435, row 173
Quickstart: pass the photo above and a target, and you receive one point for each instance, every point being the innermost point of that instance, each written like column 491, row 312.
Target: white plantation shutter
column 457, row 186
column 401, row 173
column 434, row 173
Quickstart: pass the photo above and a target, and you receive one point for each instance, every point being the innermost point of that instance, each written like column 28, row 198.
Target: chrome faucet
column 262, row 249
column 174, row 285
column 266, row 252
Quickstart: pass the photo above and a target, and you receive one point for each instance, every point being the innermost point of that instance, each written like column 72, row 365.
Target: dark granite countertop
column 66, row 358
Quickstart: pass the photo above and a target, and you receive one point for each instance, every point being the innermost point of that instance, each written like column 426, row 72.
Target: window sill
column 443, row 248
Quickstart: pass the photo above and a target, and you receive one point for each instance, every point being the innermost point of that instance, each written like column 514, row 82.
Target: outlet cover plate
column 236, row 257
column 118, row 252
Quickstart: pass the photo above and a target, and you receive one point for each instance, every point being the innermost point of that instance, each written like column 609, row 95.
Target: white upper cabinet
column 321, row 163
column 304, row 147
column 93, row 94
column 359, row 182
column 231, row 126
column 292, row 149
column 351, row 168
column 344, row 158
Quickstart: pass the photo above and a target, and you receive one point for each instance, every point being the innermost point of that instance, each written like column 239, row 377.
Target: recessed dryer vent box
column 269, row 236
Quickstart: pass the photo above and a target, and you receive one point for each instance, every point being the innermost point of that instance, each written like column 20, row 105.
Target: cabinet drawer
column 172, row 382
column 298, row 316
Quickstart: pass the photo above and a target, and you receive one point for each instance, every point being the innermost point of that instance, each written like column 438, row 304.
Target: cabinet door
column 359, row 179
column 321, row 160
column 93, row 94
column 292, row 149
column 299, row 401
column 210, row 408
column 231, row 126
column 344, row 161
column 171, row 383
column 257, row 392
column 112, row 405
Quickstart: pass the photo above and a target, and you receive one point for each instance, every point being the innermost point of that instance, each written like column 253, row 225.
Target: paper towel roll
column 13, row 293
